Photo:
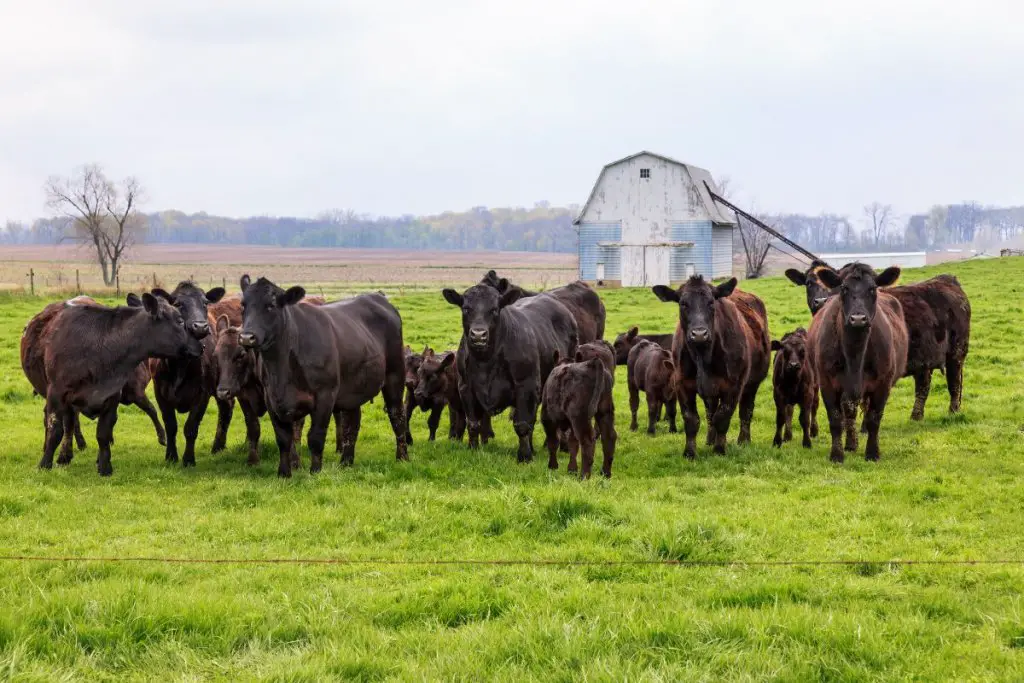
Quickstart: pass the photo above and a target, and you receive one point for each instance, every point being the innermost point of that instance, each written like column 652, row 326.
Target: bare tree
column 879, row 217
column 99, row 213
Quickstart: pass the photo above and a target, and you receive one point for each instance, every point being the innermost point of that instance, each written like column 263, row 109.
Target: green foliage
column 946, row 488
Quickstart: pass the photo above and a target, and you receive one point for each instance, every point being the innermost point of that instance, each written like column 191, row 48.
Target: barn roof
column 698, row 176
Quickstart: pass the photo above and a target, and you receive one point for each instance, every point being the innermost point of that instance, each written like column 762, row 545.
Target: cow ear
column 215, row 295
column 888, row 277
column 579, row 356
column 428, row 352
column 776, row 345
column 491, row 277
column 831, row 279
column 452, row 297
column 725, row 289
column 223, row 324
column 133, row 300
column 447, row 360
column 633, row 332
column 666, row 294
column 796, row 277
column 292, row 296
column 510, row 296
column 408, row 349
column 503, row 284
column 151, row 304
column 668, row 364
column 163, row 294
column 245, row 282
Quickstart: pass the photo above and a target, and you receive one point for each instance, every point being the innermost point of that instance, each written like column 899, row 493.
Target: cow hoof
column 777, row 442
column 171, row 457
column 806, row 443
column 217, row 448
column 284, row 474
column 188, row 463
column 837, row 458
column 105, row 470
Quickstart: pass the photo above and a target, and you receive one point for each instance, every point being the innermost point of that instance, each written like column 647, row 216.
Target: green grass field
column 946, row 488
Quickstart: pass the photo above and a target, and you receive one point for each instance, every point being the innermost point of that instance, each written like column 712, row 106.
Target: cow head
column 264, row 307
column 413, row 361
column 192, row 301
column 858, row 284
column 481, row 311
column 817, row 291
column 792, row 350
column 623, row 344
column 167, row 336
column 235, row 363
column 696, row 299
column 432, row 377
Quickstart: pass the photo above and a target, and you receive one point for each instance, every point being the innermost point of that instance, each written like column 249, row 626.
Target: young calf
column 649, row 369
column 437, row 386
column 576, row 395
column 858, row 343
column 412, row 366
column 627, row 340
column 721, row 353
column 794, row 384
column 92, row 352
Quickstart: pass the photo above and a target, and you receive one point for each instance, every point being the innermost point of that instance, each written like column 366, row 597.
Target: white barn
column 650, row 221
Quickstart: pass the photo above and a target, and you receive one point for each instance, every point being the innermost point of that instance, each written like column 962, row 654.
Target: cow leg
column 606, row 428
column 284, row 432
column 955, row 381
column 670, row 413
column 486, row 431
column 748, row 399
column 834, row 410
column 54, row 431
column 145, row 405
column 710, row 408
column 583, row 430
column 80, row 440
column 723, row 416
column 319, row 421
column 814, row 415
column 653, row 411
column 105, row 437
column 874, row 420
column 573, row 441
column 434, row 420
column 195, row 418
column 350, row 420
column 225, row 411
column 252, row 432
column 780, row 420
column 394, row 385
column 864, row 416
column 634, row 406
column 67, row 444
column 691, row 423
column 170, row 417
column 550, row 438
column 297, row 428
column 410, row 407
column 849, row 409
column 523, row 417
column 788, row 436
column 922, row 387
column 805, row 424
column 456, row 423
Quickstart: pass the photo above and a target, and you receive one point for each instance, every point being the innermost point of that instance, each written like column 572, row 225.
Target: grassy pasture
column 946, row 488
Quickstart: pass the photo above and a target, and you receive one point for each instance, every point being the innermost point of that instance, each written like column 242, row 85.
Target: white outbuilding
column 650, row 221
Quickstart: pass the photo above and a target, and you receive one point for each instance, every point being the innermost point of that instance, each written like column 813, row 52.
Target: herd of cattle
column 294, row 356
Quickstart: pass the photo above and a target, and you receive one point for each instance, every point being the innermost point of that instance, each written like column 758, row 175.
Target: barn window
column 645, row 173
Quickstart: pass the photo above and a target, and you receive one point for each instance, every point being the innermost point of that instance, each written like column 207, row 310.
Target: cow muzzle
column 223, row 394
column 700, row 335
column 857, row 320
column 200, row 329
column 478, row 337
column 819, row 302
column 247, row 339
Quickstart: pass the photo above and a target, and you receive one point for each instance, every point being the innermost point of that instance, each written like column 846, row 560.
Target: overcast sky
column 246, row 107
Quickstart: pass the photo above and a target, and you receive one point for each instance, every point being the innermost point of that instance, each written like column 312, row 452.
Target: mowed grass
column 948, row 488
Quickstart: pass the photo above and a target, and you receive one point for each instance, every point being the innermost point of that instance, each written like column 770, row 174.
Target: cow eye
column 269, row 307
column 181, row 321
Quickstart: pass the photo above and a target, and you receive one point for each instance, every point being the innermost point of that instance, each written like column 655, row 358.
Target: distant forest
column 546, row 228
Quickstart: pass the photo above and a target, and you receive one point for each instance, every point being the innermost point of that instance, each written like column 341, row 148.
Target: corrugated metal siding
column 721, row 252
column 591, row 254
column 698, row 256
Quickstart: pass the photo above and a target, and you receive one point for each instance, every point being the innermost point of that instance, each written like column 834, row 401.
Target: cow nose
column 247, row 339
column 201, row 328
column 699, row 334
column 478, row 334
column 858, row 320
column 794, row 365
column 223, row 394
column 820, row 301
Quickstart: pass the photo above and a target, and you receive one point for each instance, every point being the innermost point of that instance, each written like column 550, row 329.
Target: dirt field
column 330, row 270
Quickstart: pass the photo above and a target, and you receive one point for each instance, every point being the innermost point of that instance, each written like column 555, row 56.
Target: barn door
column 656, row 266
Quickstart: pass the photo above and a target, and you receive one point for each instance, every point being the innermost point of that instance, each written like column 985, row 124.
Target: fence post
column 78, row 281
column 32, row 280
column 224, row 282
column 117, row 282
column 154, row 279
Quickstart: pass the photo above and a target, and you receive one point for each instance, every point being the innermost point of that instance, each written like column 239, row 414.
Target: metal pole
column 771, row 231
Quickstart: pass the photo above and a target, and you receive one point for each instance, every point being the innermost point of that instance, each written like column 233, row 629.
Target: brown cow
column 437, row 386
column 794, row 384
column 575, row 394
column 938, row 317
column 721, row 353
column 649, row 369
column 33, row 352
column 116, row 340
column 858, row 343
column 630, row 338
